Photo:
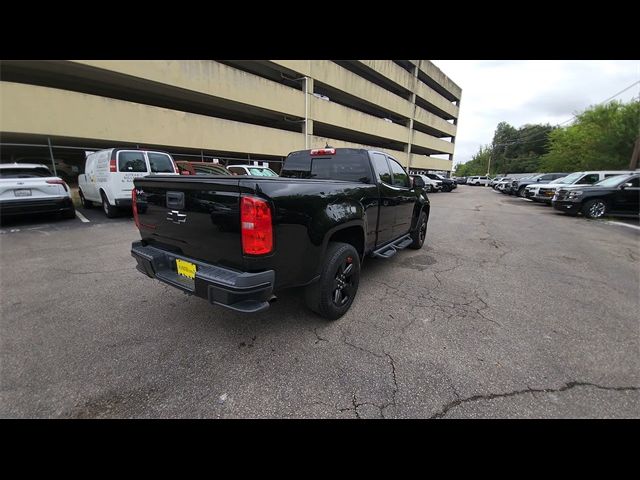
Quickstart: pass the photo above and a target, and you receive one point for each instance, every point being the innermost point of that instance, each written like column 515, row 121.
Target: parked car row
column 594, row 194
column 107, row 181
column 436, row 183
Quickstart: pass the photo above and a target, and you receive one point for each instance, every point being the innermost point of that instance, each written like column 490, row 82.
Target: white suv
column 108, row 176
column 27, row 188
column 478, row 181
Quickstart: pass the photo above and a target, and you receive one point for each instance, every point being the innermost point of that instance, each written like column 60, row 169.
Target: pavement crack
column 435, row 273
column 355, row 407
column 346, row 342
column 485, row 307
column 395, row 387
column 567, row 386
column 318, row 337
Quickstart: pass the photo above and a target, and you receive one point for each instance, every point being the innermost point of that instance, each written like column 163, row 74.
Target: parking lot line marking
column 82, row 217
column 625, row 225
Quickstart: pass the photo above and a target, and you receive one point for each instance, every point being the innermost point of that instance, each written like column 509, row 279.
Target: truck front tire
column 420, row 232
column 332, row 295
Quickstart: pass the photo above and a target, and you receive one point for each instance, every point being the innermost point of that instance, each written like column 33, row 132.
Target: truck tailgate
column 197, row 217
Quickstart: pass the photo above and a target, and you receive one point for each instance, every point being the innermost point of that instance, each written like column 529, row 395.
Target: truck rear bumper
column 240, row 291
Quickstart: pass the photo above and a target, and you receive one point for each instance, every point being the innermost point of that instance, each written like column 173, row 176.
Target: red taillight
column 255, row 219
column 59, row 182
column 112, row 165
column 323, row 151
column 134, row 206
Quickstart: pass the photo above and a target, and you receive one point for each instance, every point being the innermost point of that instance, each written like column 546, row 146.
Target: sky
column 530, row 91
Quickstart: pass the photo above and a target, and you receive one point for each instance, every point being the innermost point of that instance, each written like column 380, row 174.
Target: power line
column 534, row 134
column 605, row 101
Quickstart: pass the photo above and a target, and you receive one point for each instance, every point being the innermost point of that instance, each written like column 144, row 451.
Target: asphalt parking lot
column 511, row 310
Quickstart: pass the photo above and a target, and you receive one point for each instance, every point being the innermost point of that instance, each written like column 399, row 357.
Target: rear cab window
column 346, row 164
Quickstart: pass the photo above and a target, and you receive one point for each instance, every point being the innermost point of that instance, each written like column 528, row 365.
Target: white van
column 108, row 176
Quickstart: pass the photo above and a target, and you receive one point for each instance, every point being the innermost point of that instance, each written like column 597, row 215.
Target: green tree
column 477, row 165
column 602, row 137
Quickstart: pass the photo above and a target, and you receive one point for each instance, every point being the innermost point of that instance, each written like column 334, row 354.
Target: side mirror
column 537, row 180
column 626, row 185
column 418, row 182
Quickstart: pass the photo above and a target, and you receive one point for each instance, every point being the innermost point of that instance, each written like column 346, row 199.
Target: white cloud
column 530, row 91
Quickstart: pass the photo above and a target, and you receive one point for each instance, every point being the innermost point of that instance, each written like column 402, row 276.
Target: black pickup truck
column 236, row 240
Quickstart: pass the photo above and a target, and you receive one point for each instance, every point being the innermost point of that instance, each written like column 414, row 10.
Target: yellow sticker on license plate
column 187, row 269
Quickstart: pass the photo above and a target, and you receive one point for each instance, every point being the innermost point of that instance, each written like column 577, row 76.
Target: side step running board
column 390, row 250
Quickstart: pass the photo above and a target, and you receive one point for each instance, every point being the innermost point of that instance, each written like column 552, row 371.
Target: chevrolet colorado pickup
column 235, row 240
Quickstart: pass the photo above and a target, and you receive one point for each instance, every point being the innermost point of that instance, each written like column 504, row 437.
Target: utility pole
column 635, row 156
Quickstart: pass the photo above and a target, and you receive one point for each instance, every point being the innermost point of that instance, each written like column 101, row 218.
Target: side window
column 237, row 170
column 381, row 167
column 635, row 182
column 590, row 179
column 400, row 177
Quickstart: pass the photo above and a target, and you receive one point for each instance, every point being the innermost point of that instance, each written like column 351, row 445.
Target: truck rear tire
column 332, row 295
column 420, row 233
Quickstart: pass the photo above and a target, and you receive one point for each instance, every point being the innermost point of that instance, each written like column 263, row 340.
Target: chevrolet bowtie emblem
column 176, row 217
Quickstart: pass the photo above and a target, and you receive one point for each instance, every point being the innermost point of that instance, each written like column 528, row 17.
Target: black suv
column 618, row 195
column 518, row 186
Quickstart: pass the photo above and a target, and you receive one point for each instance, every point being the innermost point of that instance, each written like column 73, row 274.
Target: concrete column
column 307, row 126
column 413, row 114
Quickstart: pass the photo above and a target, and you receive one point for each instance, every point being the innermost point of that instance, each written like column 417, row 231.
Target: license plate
column 22, row 192
column 186, row 269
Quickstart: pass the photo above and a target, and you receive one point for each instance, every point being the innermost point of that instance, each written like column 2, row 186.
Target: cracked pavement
column 509, row 311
